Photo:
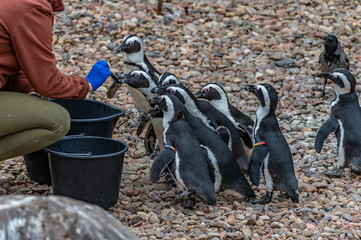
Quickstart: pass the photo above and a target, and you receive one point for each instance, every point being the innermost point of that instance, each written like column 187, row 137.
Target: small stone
column 231, row 219
column 134, row 219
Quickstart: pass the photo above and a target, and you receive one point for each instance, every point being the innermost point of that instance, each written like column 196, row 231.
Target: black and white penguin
column 183, row 156
column 271, row 154
column 223, row 167
column 133, row 49
column 217, row 96
column 344, row 121
column 332, row 57
column 211, row 117
column 168, row 78
column 143, row 82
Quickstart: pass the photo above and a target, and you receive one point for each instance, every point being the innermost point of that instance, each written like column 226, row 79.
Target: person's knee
column 61, row 120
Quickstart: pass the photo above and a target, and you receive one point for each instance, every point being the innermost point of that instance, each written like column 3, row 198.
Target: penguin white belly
column 158, row 129
column 267, row 175
column 341, row 147
column 179, row 181
column 140, row 101
column 217, row 175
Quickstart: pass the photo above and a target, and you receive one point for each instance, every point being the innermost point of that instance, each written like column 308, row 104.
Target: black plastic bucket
column 87, row 168
column 91, row 117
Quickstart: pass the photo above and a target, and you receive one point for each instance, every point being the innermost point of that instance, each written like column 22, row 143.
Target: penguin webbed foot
column 155, row 152
column 266, row 199
column 186, row 199
column 334, row 173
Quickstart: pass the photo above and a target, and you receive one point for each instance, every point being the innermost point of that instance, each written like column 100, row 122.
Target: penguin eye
column 206, row 90
column 131, row 43
column 171, row 90
column 137, row 75
column 165, row 83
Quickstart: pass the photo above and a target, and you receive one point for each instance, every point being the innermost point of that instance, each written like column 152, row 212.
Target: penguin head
column 138, row 79
column 266, row 95
column 170, row 106
column 168, row 78
column 344, row 81
column 330, row 42
column 211, row 91
column 181, row 92
column 131, row 44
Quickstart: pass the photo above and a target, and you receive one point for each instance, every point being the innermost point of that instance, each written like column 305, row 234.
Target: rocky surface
column 233, row 43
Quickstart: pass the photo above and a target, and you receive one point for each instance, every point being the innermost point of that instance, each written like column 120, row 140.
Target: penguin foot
column 155, row 152
column 266, row 199
column 170, row 182
column 186, row 199
column 335, row 173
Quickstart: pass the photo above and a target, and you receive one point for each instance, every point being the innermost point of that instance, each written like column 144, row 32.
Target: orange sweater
column 27, row 61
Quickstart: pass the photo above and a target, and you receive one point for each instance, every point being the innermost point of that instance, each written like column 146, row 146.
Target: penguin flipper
column 143, row 123
column 165, row 157
column 150, row 139
column 259, row 153
column 153, row 113
column 326, row 129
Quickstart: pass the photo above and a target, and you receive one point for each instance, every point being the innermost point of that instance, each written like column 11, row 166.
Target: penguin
column 332, row 57
column 135, row 59
column 143, row 82
column 223, row 167
column 211, row 117
column 183, row 156
column 168, row 78
column 217, row 96
column 271, row 154
column 344, row 119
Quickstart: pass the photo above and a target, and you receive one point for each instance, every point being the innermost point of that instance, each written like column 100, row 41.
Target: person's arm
column 32, row 41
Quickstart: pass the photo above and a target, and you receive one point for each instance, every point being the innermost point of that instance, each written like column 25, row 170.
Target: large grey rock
column 56, row 217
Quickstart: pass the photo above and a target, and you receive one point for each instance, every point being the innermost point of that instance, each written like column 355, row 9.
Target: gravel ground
column 233, row 43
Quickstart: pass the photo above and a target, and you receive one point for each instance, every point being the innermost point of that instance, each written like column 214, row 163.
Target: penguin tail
column 291, row 188
column 243, row 187
column 207, row 193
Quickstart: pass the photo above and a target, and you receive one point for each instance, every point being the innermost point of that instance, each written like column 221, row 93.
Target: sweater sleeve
column 19, row 83
column 32, row 41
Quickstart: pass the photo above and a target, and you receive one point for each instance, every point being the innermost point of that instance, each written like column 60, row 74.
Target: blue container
column 87, row 168
column 89, row 117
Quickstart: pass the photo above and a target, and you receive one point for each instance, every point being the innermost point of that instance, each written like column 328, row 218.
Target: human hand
column 98, row 74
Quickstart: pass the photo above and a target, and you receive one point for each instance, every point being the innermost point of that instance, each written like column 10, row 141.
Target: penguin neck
column 147, row 91
column 222, row 105
column 262, row 113
column 134, row 58
column 349, row 98
column 168, row 117
column 193, row 109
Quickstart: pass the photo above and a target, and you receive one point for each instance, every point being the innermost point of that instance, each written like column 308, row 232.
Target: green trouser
column 29, row 123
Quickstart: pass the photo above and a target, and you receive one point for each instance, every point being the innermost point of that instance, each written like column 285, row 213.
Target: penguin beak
column 198, row 94
column 251, row 88
column 121, row 48
column 324, row 74
column 159, row 90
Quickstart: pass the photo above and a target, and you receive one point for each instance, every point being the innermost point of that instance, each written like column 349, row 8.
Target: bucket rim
column 120, row 113
column 75, row 156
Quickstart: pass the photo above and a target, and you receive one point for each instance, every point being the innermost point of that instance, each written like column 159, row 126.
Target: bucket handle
column 80, row 154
